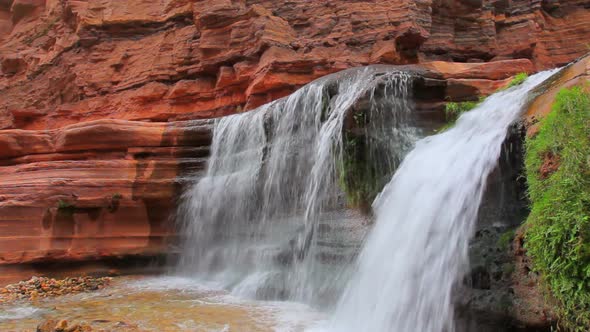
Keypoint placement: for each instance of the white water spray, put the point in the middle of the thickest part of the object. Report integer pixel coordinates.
(414, 256)
(252, 222)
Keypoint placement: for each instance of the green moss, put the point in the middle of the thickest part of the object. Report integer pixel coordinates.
(557, 235)
(358, 178)
(62, 205)
(518, 79)
(505, 239)
(65, 207)
(453, 111)
(508, 269)
(361, 172)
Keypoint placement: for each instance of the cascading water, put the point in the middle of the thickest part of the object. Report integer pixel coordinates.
(254, 222)
(415, 254)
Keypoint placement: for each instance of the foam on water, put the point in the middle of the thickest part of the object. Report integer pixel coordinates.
(284, 316)
(20, 312)
(156, 303)
(252, 222)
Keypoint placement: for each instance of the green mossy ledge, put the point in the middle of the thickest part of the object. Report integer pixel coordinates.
(453, 110)
(557, 232)
(360, 177)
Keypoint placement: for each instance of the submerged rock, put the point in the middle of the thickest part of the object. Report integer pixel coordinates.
(51, 325)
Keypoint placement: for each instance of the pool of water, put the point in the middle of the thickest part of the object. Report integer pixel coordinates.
(162, 304)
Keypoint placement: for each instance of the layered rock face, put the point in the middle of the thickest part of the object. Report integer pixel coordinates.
(95, 189)
(65, 61)
(98, 98)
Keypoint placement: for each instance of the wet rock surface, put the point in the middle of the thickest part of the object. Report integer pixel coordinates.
(52, 325)
(499, 290)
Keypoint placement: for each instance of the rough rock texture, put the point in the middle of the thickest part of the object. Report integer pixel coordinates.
(99, 188)
(577, 74)
(496, 294)
(96, 95)
(64, 60)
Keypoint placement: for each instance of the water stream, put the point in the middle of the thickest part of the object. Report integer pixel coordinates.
(257, 222)
(253, 221)
(269, 219)
(417, 251)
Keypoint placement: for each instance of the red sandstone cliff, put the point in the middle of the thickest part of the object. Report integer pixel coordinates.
(95, 95)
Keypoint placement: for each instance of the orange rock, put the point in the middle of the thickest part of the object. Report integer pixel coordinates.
(72, 60)
(81, 164)
(577, 74)
(95, 96)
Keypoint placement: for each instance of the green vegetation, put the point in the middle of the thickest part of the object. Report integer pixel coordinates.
(518, 79)
(557, 234)
(358, 178)
(454, 110)
(505, 239)
(362, 171)
(65, 207)
(117, 196)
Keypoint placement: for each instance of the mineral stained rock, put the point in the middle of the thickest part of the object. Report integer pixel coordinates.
(104, 103)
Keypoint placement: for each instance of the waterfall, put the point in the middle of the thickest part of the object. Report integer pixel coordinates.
(253, 221)
(415, 254)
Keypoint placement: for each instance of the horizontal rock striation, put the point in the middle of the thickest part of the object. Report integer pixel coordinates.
(96, 189)
(99, 98)
(63, 61)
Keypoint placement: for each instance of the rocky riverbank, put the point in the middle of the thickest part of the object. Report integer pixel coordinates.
(52, 325)
(155, 304)
(42, 287)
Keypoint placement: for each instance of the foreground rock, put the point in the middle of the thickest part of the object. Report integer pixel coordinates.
(52, 325)
(63, 325)
(42, 287)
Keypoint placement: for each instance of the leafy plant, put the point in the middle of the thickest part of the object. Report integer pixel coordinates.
(453, 111)
(518, 79)
(557, 235)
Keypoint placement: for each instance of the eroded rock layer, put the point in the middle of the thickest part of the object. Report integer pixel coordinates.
(98, 98)
(96, 189)
(63, 61)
